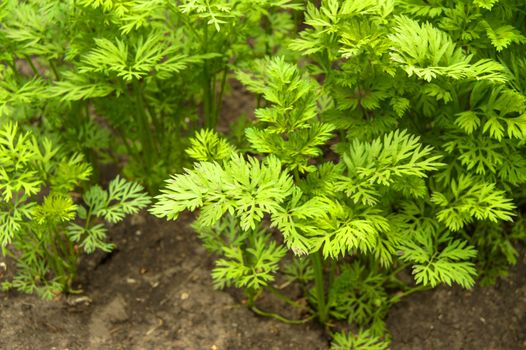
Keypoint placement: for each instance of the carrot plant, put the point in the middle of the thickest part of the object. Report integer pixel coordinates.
(450, 72)
(397, 147)
(134, 77)
(45, 226)
(389, 139)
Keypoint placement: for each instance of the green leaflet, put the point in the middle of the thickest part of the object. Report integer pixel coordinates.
(449, 265)
(249, 188)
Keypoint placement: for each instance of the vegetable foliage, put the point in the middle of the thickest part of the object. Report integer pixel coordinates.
(43, 228)
(398, 144)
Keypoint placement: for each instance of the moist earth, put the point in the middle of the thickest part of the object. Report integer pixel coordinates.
(155, 292)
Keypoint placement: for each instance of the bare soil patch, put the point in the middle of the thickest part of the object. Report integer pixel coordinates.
(155, 292)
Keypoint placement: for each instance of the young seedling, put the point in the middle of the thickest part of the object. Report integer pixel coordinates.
(45, 227)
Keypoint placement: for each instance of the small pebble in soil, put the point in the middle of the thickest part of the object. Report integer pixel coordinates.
(214, 347)
(79, 300)
(130, 280)
(184, 296)
(154, 284)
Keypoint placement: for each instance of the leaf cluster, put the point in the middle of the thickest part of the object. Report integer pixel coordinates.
(43, 227)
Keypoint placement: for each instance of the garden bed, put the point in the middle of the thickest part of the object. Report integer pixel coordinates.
(154, 292)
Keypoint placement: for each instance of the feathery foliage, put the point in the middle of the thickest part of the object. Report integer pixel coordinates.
(384, 200)
(388, 136)
(144, 70)
(403, 137)
(42, 227)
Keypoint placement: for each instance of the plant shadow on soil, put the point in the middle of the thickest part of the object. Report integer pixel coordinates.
(155, 292)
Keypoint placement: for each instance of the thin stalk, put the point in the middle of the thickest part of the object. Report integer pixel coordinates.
(73, 256)
(207, 86)
(296, 175)
(319, 286)
(54, 69)
(66, 259)
(143, 124)
(219, 101)
(88, 219)
(32, 65)
(332, 271)
(251, 297)
(91, 153)
(179, 145)
(207, 92)
(15, 71)
(213, 104)
(157, 123)
(53, 255)
(279, 317)
(410, 291)
(172, 143)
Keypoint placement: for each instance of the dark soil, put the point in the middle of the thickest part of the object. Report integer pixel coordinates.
(155, 293)
(492, 318)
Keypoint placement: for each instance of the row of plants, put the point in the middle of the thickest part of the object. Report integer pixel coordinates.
(388, 141)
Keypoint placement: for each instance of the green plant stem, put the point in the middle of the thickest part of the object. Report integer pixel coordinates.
(157, 122)
(296, 174)
(211, 99)
(251, 297)
(32, 65)
(54, 256)
(279, 317)
(91, 153)
(67, 261)
(319, 286)
(173, 143)
(206, 81)
(73, 256)
(218, 103)
(12, 64)
(143, 125)
(410, 291)
(332, 271)
(54, 69)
